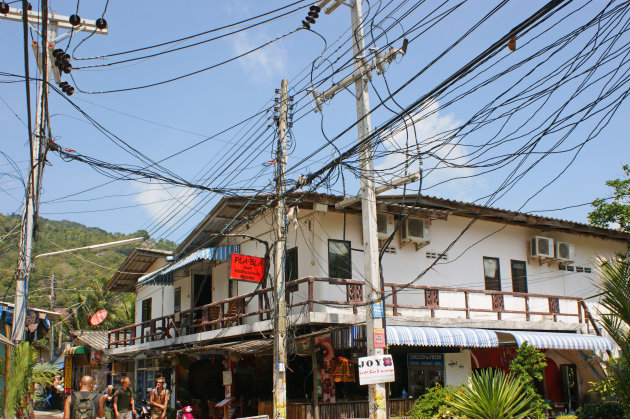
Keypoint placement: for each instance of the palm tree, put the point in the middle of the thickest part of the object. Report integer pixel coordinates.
(25, 373)
(614, 285)
(492, 394)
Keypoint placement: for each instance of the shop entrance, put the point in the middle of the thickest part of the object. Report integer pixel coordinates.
(424, 372)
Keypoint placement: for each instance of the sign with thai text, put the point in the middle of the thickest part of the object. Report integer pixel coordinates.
(379, 338)
(376, 369)
(247, 268)
(377, 309)
(425, 360)
(67, 375)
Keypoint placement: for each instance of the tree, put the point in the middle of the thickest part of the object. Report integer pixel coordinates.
(529, 364)
(25, 374)
(614, 285)
(618, 210)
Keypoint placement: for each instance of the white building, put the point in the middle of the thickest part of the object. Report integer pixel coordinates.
(463, 284)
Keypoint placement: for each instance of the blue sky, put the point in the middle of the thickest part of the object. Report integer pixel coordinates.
(165, 119)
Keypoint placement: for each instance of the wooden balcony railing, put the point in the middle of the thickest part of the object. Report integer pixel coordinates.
(427, 301)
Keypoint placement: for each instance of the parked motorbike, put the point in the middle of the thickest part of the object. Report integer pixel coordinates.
(186, 412)
(145, 410)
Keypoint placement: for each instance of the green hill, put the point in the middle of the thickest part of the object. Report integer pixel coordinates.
(79, 276)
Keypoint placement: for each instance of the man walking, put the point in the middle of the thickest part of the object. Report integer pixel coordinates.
(84, 404)
(159, 400)
(124, 406)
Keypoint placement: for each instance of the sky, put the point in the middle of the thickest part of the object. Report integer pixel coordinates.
(189, 116)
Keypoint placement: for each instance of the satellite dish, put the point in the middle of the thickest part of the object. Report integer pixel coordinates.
(98, 317)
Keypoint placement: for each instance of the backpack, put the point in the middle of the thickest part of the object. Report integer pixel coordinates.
(83, 407)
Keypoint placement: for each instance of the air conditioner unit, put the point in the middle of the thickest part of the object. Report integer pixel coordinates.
(565, 252)
(415, 230)
(541, 247)
(384, 225)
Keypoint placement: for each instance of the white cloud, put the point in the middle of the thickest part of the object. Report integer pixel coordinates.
(430, 125)
(266, 63)
(158, 199)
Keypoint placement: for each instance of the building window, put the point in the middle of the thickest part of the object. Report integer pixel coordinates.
(519, 276)
(291, 269)
(177, 300)
(146, 310)
(492, 273)
(339, 261)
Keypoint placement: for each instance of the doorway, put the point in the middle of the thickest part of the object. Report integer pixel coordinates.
(202, 292)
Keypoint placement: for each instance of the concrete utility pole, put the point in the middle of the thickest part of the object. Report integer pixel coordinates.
(361, 76)
(377, 395)
(53, 23)
(52, 308)
(280, 319)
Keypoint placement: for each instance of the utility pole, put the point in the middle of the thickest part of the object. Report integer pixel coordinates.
(52, 308)
(361, 77)
(377, 395)
(280, 319)
(53, 23)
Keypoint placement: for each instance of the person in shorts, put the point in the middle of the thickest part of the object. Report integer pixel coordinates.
(159, 400)
(124, 405)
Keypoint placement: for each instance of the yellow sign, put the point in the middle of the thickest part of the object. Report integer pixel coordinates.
(67, 375)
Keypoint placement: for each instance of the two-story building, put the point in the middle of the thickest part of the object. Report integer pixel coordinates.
(464, 286)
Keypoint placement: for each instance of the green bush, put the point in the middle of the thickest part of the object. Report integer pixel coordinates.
(607, 410)
(433, 403)
(563, 416)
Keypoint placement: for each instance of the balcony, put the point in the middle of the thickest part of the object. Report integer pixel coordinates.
(345, 297)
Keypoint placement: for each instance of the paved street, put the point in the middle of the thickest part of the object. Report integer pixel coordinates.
(57, 414)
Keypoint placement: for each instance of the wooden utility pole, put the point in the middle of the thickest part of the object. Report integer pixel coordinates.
(45, 63)
(280, 318)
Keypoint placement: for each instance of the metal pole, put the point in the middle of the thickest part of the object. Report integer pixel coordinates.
(377, 395)
(280, 320)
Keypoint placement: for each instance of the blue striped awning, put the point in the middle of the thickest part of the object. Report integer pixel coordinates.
(354, 336)
(441, 336)
(164, 275)
(548, 340)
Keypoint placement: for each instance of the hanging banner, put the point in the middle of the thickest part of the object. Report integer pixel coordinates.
(67, 375)
(376, 369)
(246, 268)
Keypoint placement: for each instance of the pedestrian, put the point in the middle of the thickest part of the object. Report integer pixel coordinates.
(124, 406)
(85, 403)
(109, 402)
(159, 400)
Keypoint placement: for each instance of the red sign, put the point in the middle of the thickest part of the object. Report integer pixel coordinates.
(247, 268)
(379, 338)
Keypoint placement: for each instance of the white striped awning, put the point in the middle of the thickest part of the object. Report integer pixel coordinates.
(441, 336)
(355, 336)
(549, 340)
(164, 275)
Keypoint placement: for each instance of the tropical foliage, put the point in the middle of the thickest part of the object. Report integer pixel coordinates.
(616, 211)
(433, 404)
(605, 409)
(614, 284)
(529, 364)
(25, 374)
(492, 394)
(80, 277)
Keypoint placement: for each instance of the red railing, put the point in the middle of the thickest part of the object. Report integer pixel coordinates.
(233, 311)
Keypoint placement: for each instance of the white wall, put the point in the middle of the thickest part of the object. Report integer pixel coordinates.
(463, 267)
